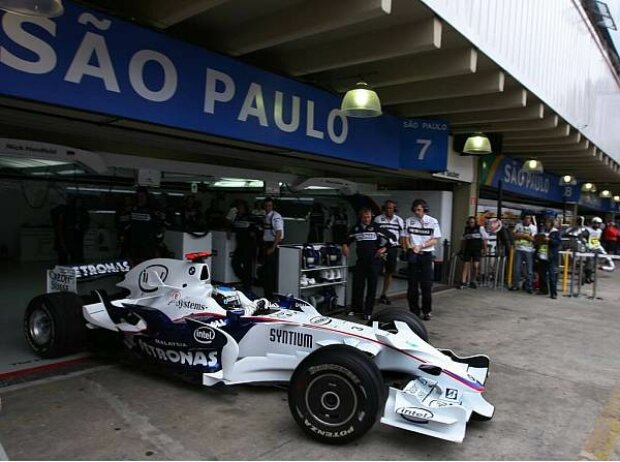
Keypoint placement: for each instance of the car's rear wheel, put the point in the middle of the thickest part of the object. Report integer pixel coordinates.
(336, 394)
(386, 319)
(54, 325)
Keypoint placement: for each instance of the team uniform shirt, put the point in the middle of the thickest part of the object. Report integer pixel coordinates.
(368, 239)
(272, 223)
(551, 246)
(421, 230)
(244, 228)
(473, 238)
(524, 244)
(594, 238)
(393, 227)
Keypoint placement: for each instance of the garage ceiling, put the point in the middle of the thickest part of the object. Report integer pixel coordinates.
(419, 65)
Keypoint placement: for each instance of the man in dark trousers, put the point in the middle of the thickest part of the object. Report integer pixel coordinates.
(419, 238)
(245, 231)
(273, 233)
(371, 243)
(393, 226)
(548, 250)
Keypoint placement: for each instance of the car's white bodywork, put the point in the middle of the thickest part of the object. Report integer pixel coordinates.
(257, 342)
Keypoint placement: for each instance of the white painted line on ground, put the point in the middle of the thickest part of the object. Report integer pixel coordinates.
(3, 455)
(33, 383)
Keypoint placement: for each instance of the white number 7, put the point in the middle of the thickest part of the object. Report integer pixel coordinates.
(425, 145)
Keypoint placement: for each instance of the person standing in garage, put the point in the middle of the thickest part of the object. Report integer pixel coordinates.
(392, 225)
(245, 244)
(419, 238)
(143, 231)
(371, 243)
(273, 233)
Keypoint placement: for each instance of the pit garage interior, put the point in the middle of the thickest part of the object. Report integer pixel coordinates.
(419, 65)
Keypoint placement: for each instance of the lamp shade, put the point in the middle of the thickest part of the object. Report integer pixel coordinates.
(605, 194)
(588, 187)
(361, 101)
(533, 166)
(477, 144)
(44, 8)
(567, 180)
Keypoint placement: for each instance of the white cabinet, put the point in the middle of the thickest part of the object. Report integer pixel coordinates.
(223, 249)
(181, 243)
(324, 286)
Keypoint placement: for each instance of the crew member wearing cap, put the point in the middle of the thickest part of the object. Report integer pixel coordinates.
(419, 238)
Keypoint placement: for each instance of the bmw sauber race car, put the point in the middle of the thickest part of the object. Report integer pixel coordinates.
(342, 375)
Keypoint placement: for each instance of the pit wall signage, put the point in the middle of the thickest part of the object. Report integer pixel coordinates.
(91, 61)
(515, 179)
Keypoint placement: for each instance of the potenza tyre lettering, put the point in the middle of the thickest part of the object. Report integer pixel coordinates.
(334, 367)
(329, 434)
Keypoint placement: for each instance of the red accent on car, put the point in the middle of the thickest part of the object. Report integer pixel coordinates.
(197, 256)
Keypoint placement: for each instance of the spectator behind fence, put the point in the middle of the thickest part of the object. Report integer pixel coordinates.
(473, 243)
(548, 244)
(524, 241)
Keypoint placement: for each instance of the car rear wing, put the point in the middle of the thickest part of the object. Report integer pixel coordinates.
(66, 278)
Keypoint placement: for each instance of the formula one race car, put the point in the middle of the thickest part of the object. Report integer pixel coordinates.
(338, 371)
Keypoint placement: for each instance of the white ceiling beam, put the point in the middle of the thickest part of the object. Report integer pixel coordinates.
(405, 39)
(476, 84)
(407, 69)
(519, 125)
(557, 132)
(521, 143)
(533, 112)
(507, 100)
(589, 154)
(164, 13)
(584, 144)
(299, 21)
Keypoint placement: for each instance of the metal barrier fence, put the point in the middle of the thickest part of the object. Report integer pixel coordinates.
(492, 271)
(496, 271)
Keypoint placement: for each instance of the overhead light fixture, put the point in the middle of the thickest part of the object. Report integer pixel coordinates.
(478, 145)
(533, 166)
(361, 102)
(616, 198)
(605, 194)
(41, 8)
(588, 187)
(568, 180)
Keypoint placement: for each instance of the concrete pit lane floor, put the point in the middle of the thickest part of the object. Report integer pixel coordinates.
(555, 382)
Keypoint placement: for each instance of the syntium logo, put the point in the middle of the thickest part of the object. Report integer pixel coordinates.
(291, 338)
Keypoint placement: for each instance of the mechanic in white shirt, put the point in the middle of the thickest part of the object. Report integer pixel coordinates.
(524, 251)
(419, 238)
(273, 233)
(393, 226)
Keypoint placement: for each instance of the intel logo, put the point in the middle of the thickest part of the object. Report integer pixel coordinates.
(204, 335)
(414, 414)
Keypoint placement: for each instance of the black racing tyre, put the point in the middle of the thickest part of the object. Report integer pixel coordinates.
(54, 325)
(336, 394)
(386, 319)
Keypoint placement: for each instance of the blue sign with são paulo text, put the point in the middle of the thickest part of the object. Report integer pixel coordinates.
(424, 144)
(91, 61)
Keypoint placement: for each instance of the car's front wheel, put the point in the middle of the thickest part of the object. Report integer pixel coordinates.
(54, 325)
(336, 394)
